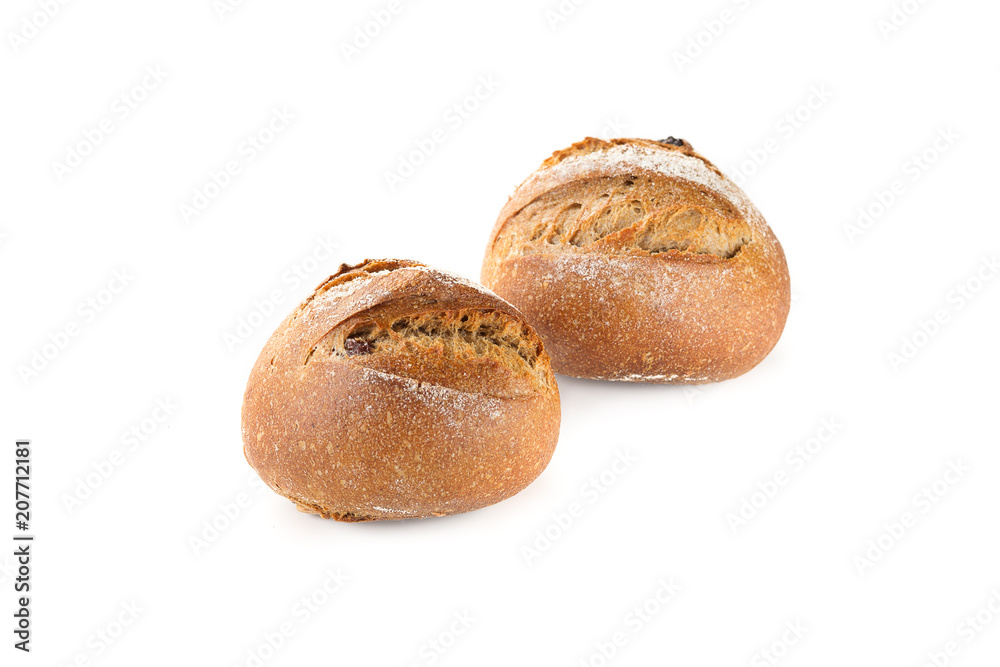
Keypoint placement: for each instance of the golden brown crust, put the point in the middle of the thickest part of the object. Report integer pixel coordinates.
(638, 260)
(438, 422)
(592, 145)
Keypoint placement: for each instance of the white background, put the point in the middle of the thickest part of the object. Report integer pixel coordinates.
(609, 68)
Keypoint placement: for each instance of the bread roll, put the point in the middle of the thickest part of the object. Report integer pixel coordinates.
(638, 260)
(398, 391)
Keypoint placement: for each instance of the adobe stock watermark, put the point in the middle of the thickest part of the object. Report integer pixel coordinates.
(561, 12)
(613, 128)
(110, 633)
(792, 634)
(319, 256)
(967, 631)
(218, 180)
(698, 43)
(785, 129)
(454, 117)
(589, 493)
(223, 8)
(365, 34)
(225, 515)
(122, 106)
(899, 15)
(795, 461)
(86, 312)
(912, 170)
(921, 504)
(633, 623)
(956, 299)
(694, 392)
(32, 24)
(437, 646)
(130, 440)
(303, 610)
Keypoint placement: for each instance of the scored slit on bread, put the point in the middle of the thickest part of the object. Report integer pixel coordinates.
(430, 337)
(628, 214)
(475, 350)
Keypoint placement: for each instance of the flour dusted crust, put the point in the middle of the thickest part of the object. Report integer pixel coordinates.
(399, 391)
(638, 260)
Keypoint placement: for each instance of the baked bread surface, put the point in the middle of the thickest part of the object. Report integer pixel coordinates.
(399, 391)
(638, 260)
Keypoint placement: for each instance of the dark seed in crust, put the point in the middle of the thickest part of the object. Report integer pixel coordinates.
(355, 346)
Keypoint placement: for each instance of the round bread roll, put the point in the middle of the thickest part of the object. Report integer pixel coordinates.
(638, 260)
(398, 391)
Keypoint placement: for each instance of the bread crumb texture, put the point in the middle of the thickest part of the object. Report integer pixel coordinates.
(650, 207)
(433, 337)
(442, 346)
